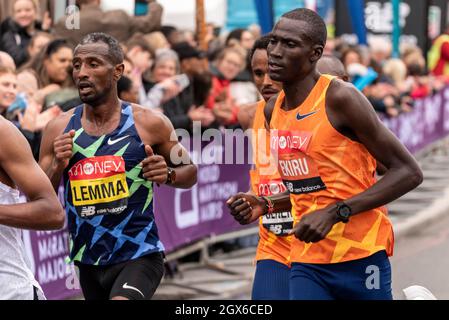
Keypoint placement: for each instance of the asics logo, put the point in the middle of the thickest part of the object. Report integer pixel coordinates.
(125, 286)
(111, 142)
(303, 116)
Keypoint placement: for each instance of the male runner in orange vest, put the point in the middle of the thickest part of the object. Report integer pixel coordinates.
(273, 267)
(327, 138)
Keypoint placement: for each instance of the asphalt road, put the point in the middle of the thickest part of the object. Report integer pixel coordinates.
(422, 258)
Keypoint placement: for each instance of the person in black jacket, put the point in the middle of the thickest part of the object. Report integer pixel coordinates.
(18, 30)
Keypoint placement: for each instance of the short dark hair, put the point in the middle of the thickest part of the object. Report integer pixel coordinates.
(317, 32)
(332, 65)
(116, 54)
(167, 30)
(234, 34)
(259, 44)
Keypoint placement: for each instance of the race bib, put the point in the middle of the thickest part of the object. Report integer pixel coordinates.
(298, 170)
(280, 224)
(98, 186)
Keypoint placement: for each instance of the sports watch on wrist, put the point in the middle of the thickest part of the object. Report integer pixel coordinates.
(343, 212)
(171, 176)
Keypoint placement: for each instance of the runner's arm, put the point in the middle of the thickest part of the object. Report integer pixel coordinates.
(247, 207)
(43, 210)
(353, 113)
(47, 154)
(158, 127)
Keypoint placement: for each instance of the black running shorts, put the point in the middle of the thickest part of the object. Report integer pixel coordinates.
(135, 279)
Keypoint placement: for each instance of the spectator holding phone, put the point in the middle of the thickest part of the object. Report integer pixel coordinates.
(165, 76)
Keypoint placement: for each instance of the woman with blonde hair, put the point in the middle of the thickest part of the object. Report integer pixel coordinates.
(18, 30)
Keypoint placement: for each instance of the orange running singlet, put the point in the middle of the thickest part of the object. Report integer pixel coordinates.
(320, 166)
(274, 243)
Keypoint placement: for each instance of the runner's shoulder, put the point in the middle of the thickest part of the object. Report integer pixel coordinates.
(269, 106)
(151, 119)
(58, 124)
(5, 127)
(340, 91)
(246, 114)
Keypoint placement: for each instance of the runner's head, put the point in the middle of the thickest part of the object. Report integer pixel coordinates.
(258, 58)
(97, 66)
(297, 43)
(333, 66)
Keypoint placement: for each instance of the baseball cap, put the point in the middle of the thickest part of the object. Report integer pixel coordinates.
(185, 51)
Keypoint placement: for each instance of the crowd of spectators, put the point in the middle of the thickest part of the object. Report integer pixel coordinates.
(165, 69)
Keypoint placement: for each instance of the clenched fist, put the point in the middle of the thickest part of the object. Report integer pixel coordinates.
(62, 148)
(154, 167)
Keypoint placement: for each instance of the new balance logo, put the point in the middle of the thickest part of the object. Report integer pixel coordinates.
(88, 211)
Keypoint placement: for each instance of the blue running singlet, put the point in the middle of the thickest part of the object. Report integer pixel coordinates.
(109, 204)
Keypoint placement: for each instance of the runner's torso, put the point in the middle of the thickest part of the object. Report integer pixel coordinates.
(108, 203)
(320, 166)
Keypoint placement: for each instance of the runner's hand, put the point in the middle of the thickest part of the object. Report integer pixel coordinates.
(315, 226)
(154, 167)
(246, 208)
(62, 147)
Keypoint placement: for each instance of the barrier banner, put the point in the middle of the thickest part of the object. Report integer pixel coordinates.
(184, 216)
(47, 252)
(427, 123)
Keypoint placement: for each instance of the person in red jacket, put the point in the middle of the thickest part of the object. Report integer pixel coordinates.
(230, 62)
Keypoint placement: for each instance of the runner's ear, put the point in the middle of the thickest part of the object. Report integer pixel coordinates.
(118, 71)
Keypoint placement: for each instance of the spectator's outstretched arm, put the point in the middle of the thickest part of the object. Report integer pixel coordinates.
(150, 22)
(43, 210)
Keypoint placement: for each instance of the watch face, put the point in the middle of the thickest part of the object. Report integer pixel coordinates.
(345, 212)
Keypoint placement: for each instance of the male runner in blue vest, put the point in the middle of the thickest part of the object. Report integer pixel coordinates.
(109, 153)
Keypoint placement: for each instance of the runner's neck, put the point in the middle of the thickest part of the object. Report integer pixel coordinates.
(297, 92)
